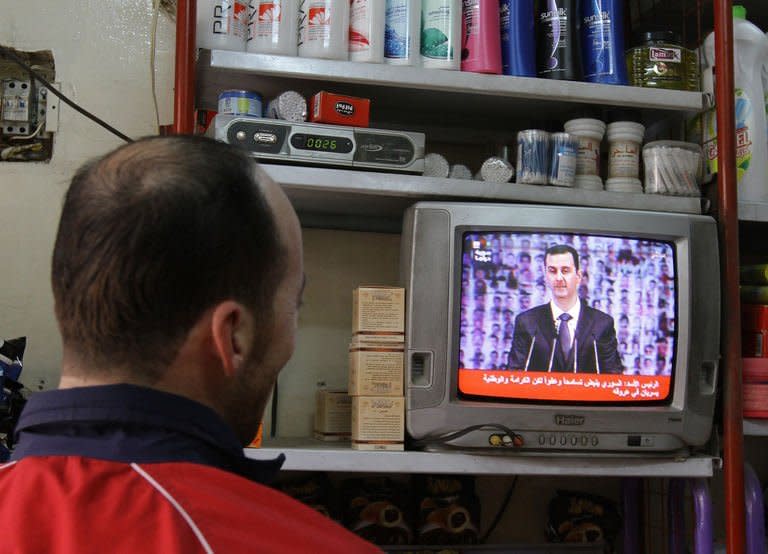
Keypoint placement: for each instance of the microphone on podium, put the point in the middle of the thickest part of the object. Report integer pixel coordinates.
(530, 353)
(597, 360)
(554, 345)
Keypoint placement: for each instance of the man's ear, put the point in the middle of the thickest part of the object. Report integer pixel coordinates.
(232, 329)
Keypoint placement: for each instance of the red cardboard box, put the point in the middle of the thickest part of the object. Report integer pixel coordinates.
(338, 109)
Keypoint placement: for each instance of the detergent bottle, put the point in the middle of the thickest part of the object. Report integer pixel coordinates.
(750, 50)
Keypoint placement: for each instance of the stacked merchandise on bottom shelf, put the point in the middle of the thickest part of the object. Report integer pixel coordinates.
(754, 342)
(376, 359)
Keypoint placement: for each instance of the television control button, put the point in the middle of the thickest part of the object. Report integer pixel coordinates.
(542, 439)
(552, 440)
(584, 440)
(574, 440)
(563, 440)
(595, 441)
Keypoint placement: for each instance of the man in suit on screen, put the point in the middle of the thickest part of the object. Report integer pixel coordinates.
(565, 334)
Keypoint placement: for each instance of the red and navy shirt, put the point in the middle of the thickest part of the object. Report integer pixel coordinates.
(122, 468)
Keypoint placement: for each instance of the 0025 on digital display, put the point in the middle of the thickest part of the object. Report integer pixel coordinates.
(321, 143)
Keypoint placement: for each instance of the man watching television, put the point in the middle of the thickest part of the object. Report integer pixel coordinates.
(177, 276)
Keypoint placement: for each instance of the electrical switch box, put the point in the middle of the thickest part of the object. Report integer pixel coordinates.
(28, 112)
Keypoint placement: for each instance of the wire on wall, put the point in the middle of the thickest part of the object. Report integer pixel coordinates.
(10, 54)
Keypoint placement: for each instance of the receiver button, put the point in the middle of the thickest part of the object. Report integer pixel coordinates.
(574, 440)
(552, 440)
(595, 441)
(584, 440)
(542, 439)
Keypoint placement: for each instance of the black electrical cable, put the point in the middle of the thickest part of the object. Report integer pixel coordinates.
(9, 54)
(500, 512)
(447, 437)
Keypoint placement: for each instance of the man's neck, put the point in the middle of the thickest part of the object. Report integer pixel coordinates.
(566, 305)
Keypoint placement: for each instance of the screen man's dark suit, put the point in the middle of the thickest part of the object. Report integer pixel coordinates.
(595, 334)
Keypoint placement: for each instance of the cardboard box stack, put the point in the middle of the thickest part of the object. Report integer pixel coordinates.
(333, 412)
(376, 362)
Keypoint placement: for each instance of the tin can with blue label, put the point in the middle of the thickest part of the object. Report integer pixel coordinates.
(240, 102)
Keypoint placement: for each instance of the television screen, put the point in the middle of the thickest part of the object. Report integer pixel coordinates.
(567, 317)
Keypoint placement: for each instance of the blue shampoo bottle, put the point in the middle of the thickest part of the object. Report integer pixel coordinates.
(518, 41)
(602, 41)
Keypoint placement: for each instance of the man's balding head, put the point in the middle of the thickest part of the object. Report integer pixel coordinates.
(154, 234)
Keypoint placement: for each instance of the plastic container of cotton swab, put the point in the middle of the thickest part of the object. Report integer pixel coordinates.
(532, 157)
(672, 167)
(562, 166)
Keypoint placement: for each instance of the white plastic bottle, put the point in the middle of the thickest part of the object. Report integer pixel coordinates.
(402, 32)
(765, 90)
(441, 34)
(750, 50)
(366, 31)
(222, 24)
(272, 27)
(324, 29)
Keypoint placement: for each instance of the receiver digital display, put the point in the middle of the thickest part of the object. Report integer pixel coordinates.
(321, 143)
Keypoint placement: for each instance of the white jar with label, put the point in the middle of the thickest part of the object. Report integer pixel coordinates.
(222, 24)
(366, 31)
(589, 133)
(324, 29)
(272, 27)
(624, 146)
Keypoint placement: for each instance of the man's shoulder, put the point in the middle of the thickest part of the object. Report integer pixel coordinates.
(542, 310)
(597, 315)
(189, 504)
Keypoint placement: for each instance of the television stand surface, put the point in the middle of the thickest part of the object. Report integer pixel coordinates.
(307, 454)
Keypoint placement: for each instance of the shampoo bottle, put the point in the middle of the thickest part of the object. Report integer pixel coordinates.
(602, 40)
(366, 31)
(222, 24)
(481, 37)
(518, 41)
(558, 55)
(324, 29)
(272, 27)
(440, 34)
(402, 32)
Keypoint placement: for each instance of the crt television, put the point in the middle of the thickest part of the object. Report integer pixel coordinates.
(487, 363)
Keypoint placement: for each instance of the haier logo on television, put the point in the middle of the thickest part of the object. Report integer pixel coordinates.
(569, 419)
(345, 108)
